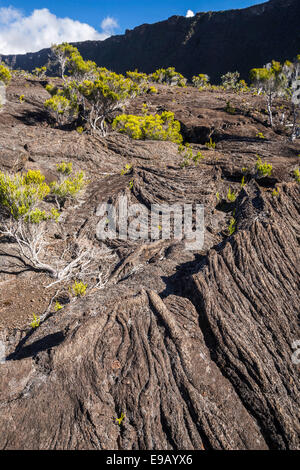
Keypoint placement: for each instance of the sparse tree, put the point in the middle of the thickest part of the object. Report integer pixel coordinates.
(25, 223)
(105, 95)
(272, 81)
(292, 73)
(62, 54)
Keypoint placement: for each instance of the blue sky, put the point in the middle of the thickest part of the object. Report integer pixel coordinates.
(21, 31)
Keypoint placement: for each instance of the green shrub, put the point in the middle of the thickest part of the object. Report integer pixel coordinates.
(229, 108)
(210, 144)
(230, 80)
(62, 107)
(62, 54)
(151, 127)
(140, 78)
(275, 192)
(64, 168)
(103, 96)
(168, 76)
(5, 74)
(21, 193)
(260, 135)
(297, 175)
(263, 169)
(40, 72)
(57, 306)
(201, 80)
(232, 226)
(231, 196)
(126, 170)
(188, 155)
(79, 289)
(152, 90)
(68, 188)
(272, 81)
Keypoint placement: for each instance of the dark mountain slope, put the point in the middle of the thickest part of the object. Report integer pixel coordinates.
(212, 42)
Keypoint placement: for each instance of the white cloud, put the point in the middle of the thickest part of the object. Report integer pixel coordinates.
(20, 34)
(109, 24)
(189, 14)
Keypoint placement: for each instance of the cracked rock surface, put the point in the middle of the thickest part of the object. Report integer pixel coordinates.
(193, 347)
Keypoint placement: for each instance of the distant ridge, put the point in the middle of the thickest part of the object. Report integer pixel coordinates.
(211, 42)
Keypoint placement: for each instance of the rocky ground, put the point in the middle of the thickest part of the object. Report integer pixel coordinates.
(194, 347)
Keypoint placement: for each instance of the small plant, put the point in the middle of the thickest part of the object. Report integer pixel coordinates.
(126, 170)
(260, 135)
(67, 188)
(57, 306)
(64, 168)
(218, 196)
(297, 175)
(152, 90)
(79, 129)
(131, 184)
(198, 157)
(232, 226)
(187, 153)
(22, 98)
(275, 192)
(243, 184)
(79, 289)
(231, 196)
(229, 108)
(119, 420)
(210, 144)
(36, 322)
(263, 169)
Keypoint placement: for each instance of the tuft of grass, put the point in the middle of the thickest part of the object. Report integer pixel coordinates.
(297, 175)
(210, 144)
(231, 196)
(79, 288)
(232, 226)
(263, 169)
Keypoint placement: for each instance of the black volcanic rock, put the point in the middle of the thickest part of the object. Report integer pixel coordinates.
(211, 42)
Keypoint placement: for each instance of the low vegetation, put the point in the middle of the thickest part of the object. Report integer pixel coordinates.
(152, 127)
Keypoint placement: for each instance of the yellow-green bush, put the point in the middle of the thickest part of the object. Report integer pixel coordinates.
(297, 175)
(62, 107)
(263, 169)
(137, 77)
(150, 127)
(68, 187)
(65, 168)
(168, 76)
(188, 155)
(40, 72)
(201, 80)
(20, 193)
(5, 75)
(79, 288)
